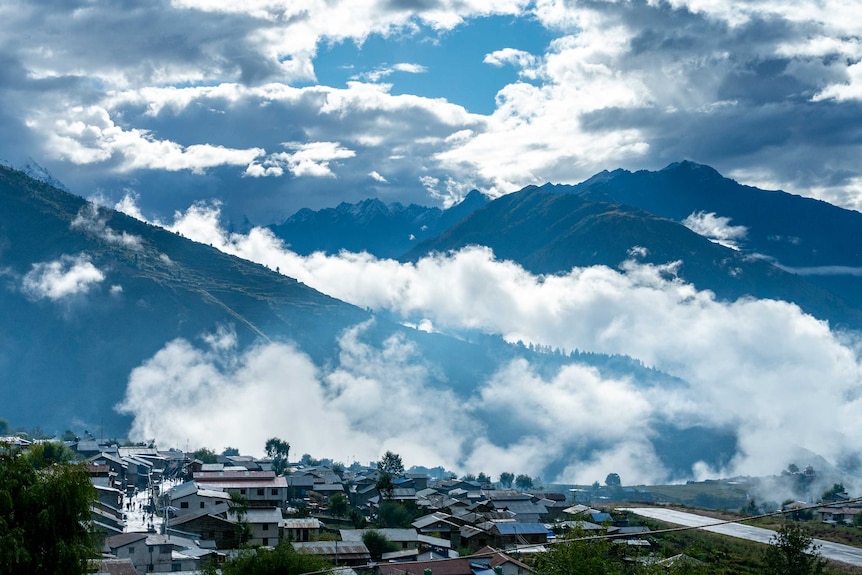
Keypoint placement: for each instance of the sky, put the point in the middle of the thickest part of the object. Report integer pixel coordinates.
(200, 113)
(269, 106)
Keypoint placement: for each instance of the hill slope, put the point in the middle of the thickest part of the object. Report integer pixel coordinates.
(551, 233)
(821, 240)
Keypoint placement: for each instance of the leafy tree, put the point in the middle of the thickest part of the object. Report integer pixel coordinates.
(836, 491)
(392, 514)
(857, 520)
(524, 482)
(357, 519)
(42, 455)
(230, 452)
(579, 556)
(792, 552)
(391, 463)
(377, 544)
(613, 480)
(206, 455)
(278, 450)
(384, 485)
(792, 468)
(43, 516)
(68, 435)
(506, 479)
(482, 478)
(750, 508)
(283, 560)
(338, 505)
(308, 460)
(469, 477)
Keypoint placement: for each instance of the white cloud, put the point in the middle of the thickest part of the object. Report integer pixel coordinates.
(61, 278)
(89, 135)
(749, 363)
(92, 221)
(716, 228)
(374, 175)
(308, 159)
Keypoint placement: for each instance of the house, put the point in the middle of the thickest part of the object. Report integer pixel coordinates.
(838, 514)
(514, 534)
(260, 488)
(339, 553)
(208, 526)
(489, 563)
(152, 553)
(190, 497)
(112, 567)
(524, 506)
(265, 525)
(300, 528)
(402, 538)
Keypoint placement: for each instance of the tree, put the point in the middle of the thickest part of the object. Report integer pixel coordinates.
(524, 482)
(283, 560)
(506, 479)
(230, 452)
(482, 478)
(338, 505)
(278, 450)
(239, 507)
(391, 463)
(613, 480)
(468, 477)
(43, 516)
(791, 551)
(579, 556)
(836, 492)
(42, 455)
(377, 544)
(4, 427)
(392, 514)
(384, 485)
(205, 455)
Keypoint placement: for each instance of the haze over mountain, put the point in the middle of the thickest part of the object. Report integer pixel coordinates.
(215, 350)
(112, 300)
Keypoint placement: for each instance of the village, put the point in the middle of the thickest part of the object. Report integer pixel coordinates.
(163, 511)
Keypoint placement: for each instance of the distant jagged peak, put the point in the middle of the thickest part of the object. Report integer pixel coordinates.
(36, 171)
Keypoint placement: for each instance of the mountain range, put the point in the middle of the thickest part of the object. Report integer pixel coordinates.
(89, 294)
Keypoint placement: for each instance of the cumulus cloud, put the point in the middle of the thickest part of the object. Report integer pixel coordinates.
(62, 278)
(751, 87)
(309, 159)
(716, 228)
(749, 364)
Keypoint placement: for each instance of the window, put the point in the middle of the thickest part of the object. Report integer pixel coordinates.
(265, 541)
(184, 504)
(131, 550)
(202, 504)
(260, 492)
(274, 491)
(266, 526)
(242, 491)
